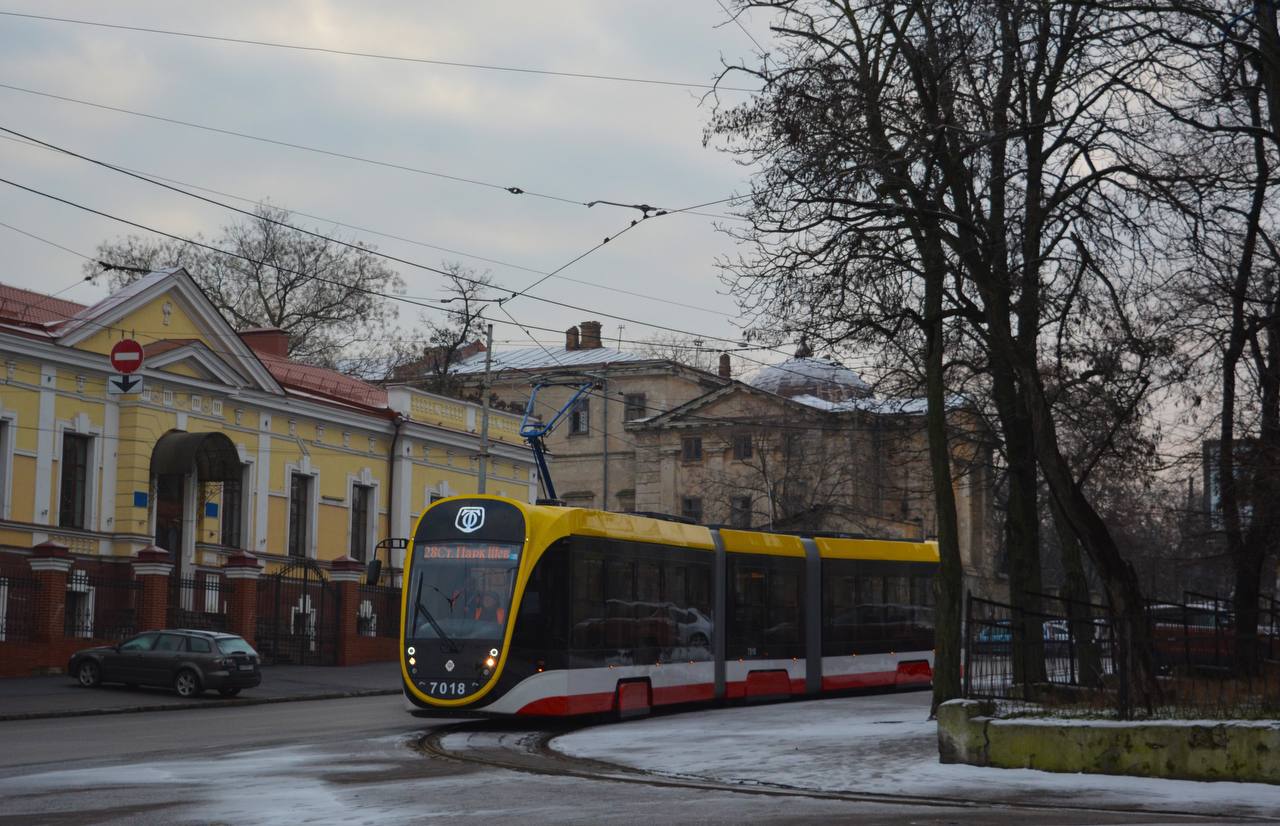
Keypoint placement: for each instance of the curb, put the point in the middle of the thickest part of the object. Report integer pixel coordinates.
(201, 704)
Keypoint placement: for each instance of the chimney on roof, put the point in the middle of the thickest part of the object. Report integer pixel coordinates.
(725, 369)
(591, 335)
(571, 339)
(269, 341)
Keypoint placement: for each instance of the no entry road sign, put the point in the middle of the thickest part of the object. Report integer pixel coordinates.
(126, 356)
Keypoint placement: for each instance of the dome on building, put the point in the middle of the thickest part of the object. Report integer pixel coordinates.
(805, 375)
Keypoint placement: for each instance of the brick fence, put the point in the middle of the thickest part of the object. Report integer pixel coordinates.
(47, 611)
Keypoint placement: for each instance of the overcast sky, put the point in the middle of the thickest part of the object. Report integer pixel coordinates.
(575, 138)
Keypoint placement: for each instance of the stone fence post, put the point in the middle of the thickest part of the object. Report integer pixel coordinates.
(241, 571)
(50, 563)
(153, 567)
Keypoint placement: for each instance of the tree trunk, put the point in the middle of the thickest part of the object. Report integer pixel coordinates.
(950, 582)
(1022, 530)
(1084, 636)
(1133, 637)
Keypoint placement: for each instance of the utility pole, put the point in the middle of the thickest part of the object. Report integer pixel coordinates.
(484, 410)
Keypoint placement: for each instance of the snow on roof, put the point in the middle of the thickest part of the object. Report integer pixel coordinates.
(818, 377)
(122, 295)
(906, 407)
(538, 358)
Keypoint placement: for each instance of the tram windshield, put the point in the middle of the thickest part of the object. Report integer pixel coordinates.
(462, 590)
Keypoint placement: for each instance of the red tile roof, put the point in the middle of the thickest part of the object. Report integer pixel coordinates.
(19, 306)
(324, 382)
(32, 309)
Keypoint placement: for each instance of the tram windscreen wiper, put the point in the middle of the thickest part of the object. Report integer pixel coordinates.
(417, 598)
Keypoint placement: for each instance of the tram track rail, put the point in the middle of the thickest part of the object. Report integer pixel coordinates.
(530, 751)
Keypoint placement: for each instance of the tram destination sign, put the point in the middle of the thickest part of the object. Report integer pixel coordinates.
(469, 550)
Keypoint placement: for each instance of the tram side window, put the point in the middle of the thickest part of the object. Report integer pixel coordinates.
(784, 610)
(542, 624)
(839, 607)
(588, 606)
(619, 601)
(747, 617)
(764, 607)
(923, 598)
(639, 603)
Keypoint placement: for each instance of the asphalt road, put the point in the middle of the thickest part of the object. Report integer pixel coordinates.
(351, 762)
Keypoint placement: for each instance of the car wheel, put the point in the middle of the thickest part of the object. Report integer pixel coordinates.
(89, 674)
(187, 683)
(228, 692)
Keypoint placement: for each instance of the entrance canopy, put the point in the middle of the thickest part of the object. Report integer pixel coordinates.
(212, 455)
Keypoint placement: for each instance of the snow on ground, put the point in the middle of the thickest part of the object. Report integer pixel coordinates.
(881, 744)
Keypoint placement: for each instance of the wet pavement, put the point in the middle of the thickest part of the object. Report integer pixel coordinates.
(55, 696)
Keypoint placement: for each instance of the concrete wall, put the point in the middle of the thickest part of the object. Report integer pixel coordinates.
(1191, 750)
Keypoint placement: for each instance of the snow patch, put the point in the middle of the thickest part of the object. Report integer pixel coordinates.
(880, 744)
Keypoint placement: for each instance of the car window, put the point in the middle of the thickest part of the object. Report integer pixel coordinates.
(235, 645)
(140, 643)
(199, 645)
(170, 642)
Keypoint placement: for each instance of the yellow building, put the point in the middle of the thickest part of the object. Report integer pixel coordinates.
(226, 445)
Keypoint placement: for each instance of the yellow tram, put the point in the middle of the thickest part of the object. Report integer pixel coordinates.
(516, 609)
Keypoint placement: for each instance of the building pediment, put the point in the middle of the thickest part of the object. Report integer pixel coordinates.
(733, 403)
(193, 358)
(165, 306)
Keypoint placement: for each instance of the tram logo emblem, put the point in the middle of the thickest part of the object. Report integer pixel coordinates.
(469, 520)
(448, 666)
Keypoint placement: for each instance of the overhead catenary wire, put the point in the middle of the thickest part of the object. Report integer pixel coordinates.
(378, 55)
(348, 244)
(558, 275)
(511, 190)
(340, 242)
(156, 335)
(524, 327)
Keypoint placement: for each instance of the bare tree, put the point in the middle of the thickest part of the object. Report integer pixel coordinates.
(330, 298)
(789, 472)
(979, 168)
(452, 334)
(687, 350)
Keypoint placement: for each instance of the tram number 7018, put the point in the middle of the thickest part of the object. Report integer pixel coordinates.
(446, 689)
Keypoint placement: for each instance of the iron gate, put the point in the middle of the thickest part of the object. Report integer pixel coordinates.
(298, 616)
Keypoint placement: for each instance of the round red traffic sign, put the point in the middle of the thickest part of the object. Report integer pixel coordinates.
(126, 356)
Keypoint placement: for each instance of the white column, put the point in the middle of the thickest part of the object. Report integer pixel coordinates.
(44, 445)
(110, 454)
(401, 504)
(262, 492)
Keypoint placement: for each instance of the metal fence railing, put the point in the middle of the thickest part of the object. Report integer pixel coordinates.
(199, 600)
(17, 608)
(378, 612)
(101, 608)
(1068, 657)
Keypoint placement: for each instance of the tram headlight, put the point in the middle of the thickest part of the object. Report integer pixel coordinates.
(413, 661)
(410, 651)
(490, 662)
